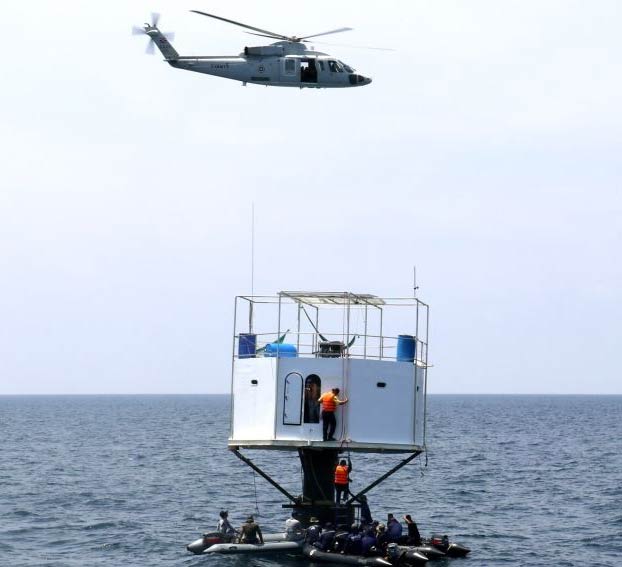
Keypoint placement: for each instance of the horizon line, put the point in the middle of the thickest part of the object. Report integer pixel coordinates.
(229, 394)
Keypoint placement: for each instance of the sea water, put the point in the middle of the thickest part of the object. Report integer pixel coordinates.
(130, 480)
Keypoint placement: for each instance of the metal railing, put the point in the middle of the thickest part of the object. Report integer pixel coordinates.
(309, 345)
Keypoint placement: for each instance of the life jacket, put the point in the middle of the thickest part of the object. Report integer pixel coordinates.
(328, 402)
(341, 474)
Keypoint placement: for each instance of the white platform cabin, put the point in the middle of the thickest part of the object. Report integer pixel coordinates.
(290, 348)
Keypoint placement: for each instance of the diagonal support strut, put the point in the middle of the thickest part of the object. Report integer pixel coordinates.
(264, 475)
(383, 477)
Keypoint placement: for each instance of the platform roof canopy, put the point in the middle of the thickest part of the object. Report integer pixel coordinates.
(333, 298)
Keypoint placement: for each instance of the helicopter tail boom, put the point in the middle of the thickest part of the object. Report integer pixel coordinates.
(162, 43)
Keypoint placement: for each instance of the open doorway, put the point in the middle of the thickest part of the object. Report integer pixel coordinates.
(313, 390)
(308, 71)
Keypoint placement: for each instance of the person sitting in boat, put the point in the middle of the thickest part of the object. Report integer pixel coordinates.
(251, 532)
(394, 529)
(312, 535)
(382, 538)
(327, 538)
(368, 541)
(354, 544)
(293, 528)
(341, 539)
(225, 528)
(414, 537)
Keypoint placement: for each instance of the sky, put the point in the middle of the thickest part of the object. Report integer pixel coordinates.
(486, 152)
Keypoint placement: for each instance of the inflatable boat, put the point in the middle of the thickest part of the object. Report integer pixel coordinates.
(443, 544)
(214, 542)
(403, 555)
(315, 554)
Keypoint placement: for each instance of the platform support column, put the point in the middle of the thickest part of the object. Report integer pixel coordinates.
(318, 488)
(318, 473)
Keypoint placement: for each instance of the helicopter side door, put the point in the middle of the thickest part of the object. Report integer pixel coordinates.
(308, 71)
(290, 71)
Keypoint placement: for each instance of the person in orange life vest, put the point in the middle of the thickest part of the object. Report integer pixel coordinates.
(342, 478)
(330, 401)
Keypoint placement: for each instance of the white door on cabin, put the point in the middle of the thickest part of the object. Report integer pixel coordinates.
(292, 403)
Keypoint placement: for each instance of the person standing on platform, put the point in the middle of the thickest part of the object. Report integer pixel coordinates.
(330, 401)
(342, 480)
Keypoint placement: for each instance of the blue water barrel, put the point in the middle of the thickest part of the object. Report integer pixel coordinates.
(247, 345)
(406, 346)
(281, 350)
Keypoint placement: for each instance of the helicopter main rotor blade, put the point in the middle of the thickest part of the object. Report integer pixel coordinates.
(136, 30)
(262, 35)
(269, 33)
(155, 18)
(339, 30)
(355, 46)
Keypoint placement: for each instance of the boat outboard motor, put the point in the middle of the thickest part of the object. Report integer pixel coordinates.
(440, 542)
(200, 545)
(450, 549)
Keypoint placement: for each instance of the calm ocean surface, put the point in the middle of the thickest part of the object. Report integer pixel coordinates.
(129, 480)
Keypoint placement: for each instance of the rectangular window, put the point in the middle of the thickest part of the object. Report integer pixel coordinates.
(290, 66)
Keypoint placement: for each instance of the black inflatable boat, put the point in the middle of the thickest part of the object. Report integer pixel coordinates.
(319, 556)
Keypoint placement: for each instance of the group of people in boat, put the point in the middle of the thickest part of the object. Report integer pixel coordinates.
(367, 538)
(364, 539)
(249, 532)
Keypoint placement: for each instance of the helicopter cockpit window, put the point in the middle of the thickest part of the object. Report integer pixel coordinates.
(321, 64)
(346, 67)
(335, 67)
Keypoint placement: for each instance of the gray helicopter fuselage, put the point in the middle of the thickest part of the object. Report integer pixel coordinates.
(281, 64)
(301, 70)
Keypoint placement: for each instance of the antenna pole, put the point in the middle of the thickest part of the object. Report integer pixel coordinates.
(415, 286)
(250, 311)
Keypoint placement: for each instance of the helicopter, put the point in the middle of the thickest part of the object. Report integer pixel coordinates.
(285, 63)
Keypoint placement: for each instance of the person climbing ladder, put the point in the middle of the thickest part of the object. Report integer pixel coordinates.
(330, 401)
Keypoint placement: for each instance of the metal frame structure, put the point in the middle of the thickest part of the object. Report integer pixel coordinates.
(319, 458)
(347, 301)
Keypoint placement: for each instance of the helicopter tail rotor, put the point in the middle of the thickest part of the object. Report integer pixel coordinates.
(157, 38)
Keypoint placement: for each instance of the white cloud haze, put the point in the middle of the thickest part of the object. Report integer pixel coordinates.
(486, 152)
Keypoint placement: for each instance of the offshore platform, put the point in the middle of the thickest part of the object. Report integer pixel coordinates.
(290, 348)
